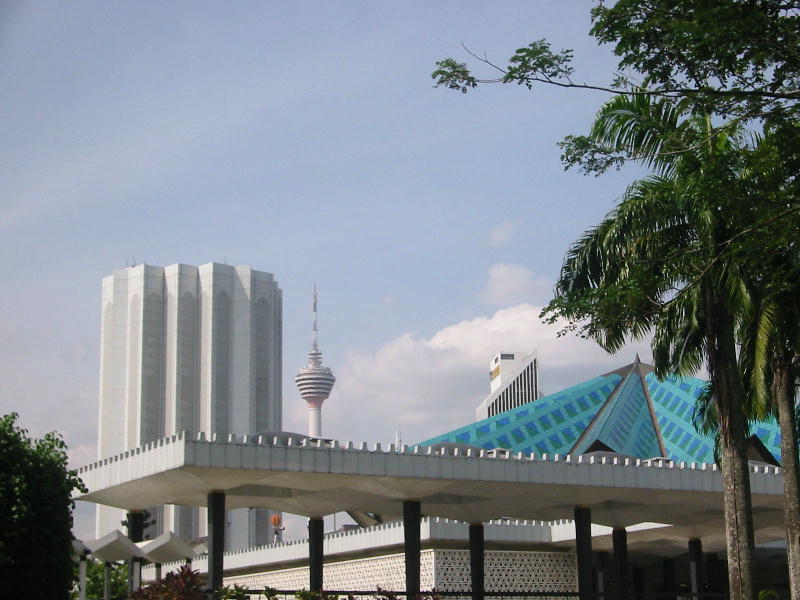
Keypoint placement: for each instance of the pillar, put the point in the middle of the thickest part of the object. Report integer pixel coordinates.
(82, 577)
(619, 539)
(713, 573)
(602, 574)
(476, 560)
(316, 536)
(158, 571)
(583, 550)
(696, 582)
(638, 583)
(668, 586)
(216, 538)
(107, 581)
(412, 515)
(135, 534)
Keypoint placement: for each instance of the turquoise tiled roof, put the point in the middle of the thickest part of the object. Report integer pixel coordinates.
(551, 424)
(629, 411)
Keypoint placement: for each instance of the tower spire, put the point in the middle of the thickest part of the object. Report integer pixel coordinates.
(314, 381)
(314, 340)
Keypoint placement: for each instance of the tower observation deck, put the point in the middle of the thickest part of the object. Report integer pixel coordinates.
(314, 381)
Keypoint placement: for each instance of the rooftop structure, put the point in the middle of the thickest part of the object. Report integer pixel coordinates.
(314, 381)
(628, 411)
(513, 381)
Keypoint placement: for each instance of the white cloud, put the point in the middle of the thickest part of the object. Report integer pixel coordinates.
(502, 233)
(430, 385)
(509, 284)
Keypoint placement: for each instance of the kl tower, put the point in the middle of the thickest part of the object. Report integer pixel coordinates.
(314, 381)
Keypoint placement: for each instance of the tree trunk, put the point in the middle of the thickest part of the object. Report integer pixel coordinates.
(729, 399)
(737, 508)
(784, 397)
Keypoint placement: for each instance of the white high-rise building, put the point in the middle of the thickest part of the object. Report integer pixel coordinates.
(514, 381)
(189, 348)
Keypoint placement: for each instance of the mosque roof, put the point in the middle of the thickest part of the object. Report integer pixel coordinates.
(627, 411)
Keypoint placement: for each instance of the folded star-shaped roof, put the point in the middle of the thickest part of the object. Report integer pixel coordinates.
(629, 411)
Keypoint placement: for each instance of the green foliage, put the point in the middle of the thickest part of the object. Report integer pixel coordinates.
(35, 513)
(183, 585)
(236, 592)
(308, 595)
(538, 62)
(381, 594)
(454, 75)
(699, 252)
(270, 593)
(95, 573)
(673, 259)
(667, 259)
(737, 58)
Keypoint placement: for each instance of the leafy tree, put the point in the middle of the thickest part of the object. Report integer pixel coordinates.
(769, 333)
(35, 514)
(738, 58)
(710, 212)
(656, 265)
(95, 581)
(734, 58)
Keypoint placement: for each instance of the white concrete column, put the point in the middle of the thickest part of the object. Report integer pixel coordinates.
(315, 421)
(82, 578)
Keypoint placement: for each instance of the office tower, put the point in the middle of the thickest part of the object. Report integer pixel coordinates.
(514, 380)
(314, 381)
(189, 348)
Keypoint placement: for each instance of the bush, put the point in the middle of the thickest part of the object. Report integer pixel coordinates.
(183, 585)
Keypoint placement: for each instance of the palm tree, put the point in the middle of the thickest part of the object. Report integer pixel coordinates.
(660, 263)
(770, 359)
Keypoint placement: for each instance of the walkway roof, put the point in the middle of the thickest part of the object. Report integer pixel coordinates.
(314, 478)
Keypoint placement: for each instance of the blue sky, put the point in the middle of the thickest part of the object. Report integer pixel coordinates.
(305, 139)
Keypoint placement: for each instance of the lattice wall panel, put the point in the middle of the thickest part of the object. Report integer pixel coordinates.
(387, 572)
(509, 571)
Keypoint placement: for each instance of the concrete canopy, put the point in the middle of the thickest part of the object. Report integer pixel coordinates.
(114, 547)
(167, 547)
(314, 478)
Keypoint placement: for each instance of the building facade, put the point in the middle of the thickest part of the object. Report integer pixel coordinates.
(189, 348)
(513, 381)
(522, 558)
